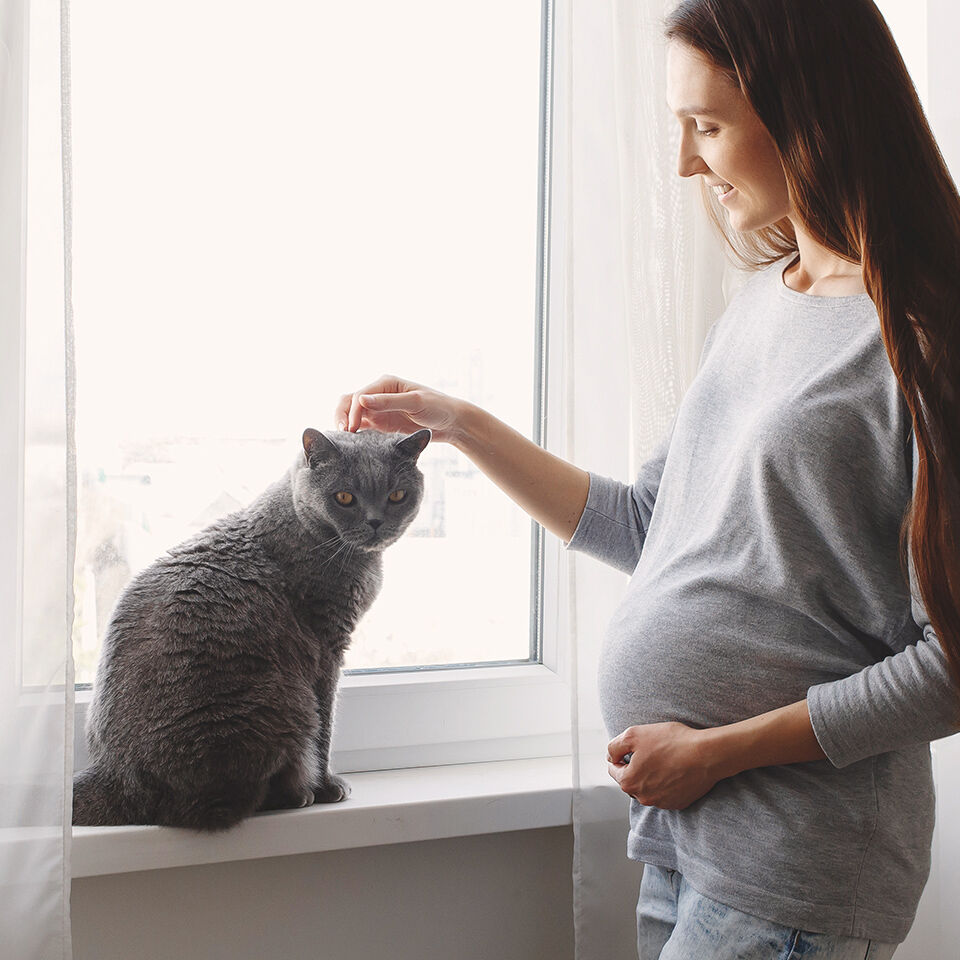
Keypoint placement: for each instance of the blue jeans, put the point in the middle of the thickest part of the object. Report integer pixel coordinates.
(675, 922)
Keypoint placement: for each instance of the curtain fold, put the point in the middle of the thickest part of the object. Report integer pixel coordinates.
(640, 278)
(37, 512)
(672, 260)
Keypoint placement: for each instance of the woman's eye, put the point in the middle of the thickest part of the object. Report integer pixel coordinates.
(707, 132)
(344, 498)
(397, 496)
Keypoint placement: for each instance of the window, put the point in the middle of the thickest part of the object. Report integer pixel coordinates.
(270, 212)
(272, 206)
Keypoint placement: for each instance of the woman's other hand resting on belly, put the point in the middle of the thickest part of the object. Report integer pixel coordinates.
(670, 765)
(664, 765)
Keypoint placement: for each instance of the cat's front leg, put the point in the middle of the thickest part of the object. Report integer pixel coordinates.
(332, 790)
(329, 788)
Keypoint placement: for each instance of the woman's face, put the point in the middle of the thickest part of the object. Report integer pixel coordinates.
(723, 140)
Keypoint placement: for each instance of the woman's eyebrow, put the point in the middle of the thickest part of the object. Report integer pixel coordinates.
(696, 109)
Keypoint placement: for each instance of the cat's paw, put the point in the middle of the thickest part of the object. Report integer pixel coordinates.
(332, 790)
(288, 798)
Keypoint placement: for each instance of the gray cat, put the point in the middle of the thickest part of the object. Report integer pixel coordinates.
(216, 682)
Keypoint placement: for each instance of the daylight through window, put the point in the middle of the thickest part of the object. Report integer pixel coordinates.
(273, 206)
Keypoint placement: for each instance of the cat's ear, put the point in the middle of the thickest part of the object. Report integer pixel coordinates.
(413, 445)
(317, 447)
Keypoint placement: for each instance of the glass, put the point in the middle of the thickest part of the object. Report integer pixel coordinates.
(270, 212)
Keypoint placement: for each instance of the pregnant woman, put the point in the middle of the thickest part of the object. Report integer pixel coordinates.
(789, 642)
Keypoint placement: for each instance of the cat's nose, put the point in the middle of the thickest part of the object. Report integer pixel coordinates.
(374, 523)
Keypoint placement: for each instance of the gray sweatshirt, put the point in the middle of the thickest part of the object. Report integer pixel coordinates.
(762, 539)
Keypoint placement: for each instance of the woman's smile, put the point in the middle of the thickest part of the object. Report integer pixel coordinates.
(720, 130)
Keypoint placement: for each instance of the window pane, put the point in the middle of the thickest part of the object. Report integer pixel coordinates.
(274, 205)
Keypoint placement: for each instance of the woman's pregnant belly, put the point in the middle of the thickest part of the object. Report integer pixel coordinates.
(695, 648)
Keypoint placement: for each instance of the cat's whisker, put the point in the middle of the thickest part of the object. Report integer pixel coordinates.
(350, 551)
(325, 543)
(325, 548)
(335, 554)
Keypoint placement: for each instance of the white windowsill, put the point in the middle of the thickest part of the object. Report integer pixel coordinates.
(389, 806)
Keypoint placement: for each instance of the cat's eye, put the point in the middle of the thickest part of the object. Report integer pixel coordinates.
(397, 496)
(344, 498)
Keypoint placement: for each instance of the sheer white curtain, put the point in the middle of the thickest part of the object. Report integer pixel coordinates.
(638, 278)
(36, 491)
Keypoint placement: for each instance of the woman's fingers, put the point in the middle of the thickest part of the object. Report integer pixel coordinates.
(402, 406)
(342, 411)
(410, 402)
(400, 412)
(355, 413)
(348, 411)
(619, 749)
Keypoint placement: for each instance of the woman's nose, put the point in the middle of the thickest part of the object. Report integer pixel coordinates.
(690, 163)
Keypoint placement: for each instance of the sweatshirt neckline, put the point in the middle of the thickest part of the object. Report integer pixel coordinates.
(811, 299)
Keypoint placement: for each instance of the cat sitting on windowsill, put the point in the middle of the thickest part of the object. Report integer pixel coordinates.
(216, 682)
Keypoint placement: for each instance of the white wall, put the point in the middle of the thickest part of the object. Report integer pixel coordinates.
(503, 896)
(943, 78)
(936, 933)
(943, 110)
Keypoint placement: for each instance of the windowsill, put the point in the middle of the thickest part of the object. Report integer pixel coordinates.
(389, 806)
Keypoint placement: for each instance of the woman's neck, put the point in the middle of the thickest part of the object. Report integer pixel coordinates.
(820, 272)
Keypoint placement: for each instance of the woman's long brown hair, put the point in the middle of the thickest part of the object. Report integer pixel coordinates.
(868, 181)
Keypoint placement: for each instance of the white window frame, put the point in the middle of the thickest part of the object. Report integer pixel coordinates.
(423, 718)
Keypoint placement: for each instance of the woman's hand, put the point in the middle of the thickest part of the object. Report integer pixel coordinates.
(668, 768)
(551, 490)
(393, 405)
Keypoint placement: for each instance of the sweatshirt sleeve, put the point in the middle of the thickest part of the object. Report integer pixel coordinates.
(616, 517)
(904, 699)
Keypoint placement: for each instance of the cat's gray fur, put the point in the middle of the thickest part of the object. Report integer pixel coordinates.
(216, 682)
